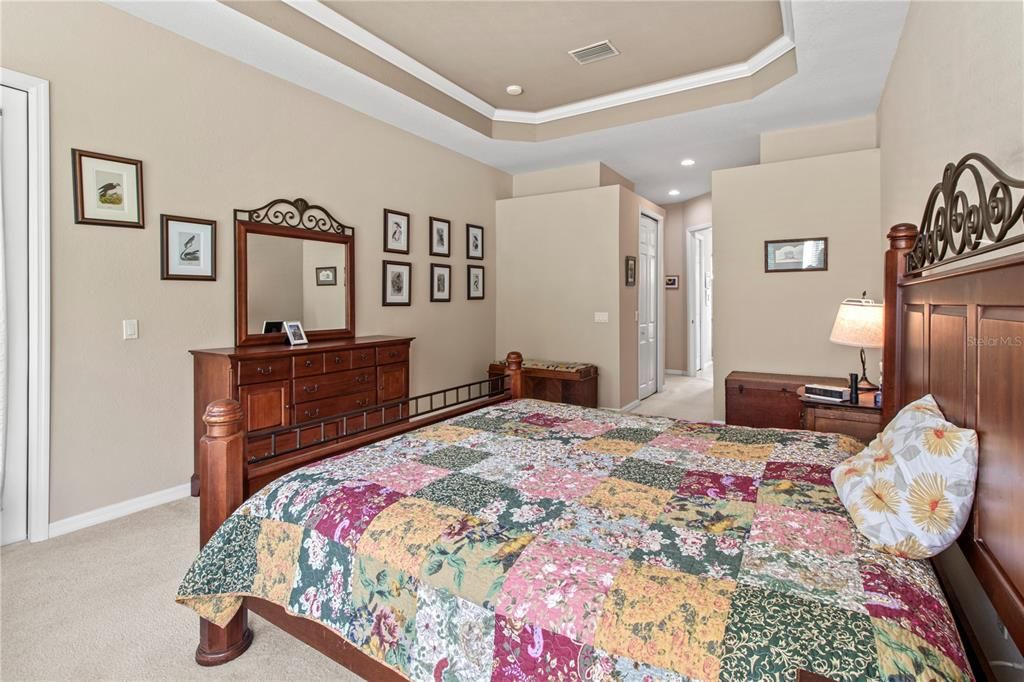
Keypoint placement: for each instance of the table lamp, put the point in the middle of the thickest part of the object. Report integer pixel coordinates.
(859, 323)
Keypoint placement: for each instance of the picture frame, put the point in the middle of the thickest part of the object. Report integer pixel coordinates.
(273, 326)
(107, 189)
(396, 283)
(396, 231)
(475, 282)
(295, 333)
(630, 271)
(474, 242)
(440, 237)
(671, 281)
(440, 283)
(188, 248)
(808, 254)
(327, 276)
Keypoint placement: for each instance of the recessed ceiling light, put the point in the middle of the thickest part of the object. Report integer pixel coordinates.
(687, 162)
(514, 90)
(673, 192)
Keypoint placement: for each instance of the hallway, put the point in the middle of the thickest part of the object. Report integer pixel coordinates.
(690, 398)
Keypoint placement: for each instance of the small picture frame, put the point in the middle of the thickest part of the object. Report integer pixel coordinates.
(630, 271)
(396, 231)
(188, 248)
(671, 281)
(474, 242)
(273, 326)
(295, 333)
(796, 255)
(327, 276)
(475, 282)
(440, 283)
(397, 283)
(107, 189)
(440, 237)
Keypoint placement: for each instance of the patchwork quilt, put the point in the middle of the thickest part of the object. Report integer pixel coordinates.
(539, 541)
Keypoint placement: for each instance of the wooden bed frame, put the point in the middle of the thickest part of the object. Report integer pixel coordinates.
(957, 334)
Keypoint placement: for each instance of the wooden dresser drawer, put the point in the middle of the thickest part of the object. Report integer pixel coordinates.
(332, 385)
(387, 355)
(308, 365)
(336, 361)
(364, 357)
(329, 407)
(256, 371)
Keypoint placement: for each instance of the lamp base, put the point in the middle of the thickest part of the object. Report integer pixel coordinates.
(865, 386)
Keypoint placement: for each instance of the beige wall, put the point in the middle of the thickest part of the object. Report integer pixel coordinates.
(566, 179)
(781, 322)
(678, 219)
(323, 307)
(557, 265)
(831, 138)
(213, 135)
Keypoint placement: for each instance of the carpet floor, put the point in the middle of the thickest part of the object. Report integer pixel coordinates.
(98, 604)
(691, 398)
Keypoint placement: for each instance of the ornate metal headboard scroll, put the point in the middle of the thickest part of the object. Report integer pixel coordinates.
(299, 213)
(954, 227)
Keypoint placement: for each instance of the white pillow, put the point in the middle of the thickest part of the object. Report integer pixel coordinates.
(910, 491)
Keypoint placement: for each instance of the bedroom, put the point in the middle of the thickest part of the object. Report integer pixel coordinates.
(845, 141)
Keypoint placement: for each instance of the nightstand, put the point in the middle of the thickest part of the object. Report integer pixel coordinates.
(863, 421)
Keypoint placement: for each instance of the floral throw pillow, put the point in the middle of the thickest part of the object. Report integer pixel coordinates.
(910, 491)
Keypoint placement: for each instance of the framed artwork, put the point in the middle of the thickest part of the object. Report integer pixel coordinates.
(630, 271)
(671, 281)
(108, 189)
(440, 283)
(796, 255)
(188, 248)
(440, 237)
(327, 277)
(396, 231)
(273, 326)
(296, 334)
(475, 282)
(474, 242)
(397, 283)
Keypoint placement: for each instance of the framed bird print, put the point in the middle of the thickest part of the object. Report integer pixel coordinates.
(440, 237)
(108, 189)
(396, 231)
(188, 248)
(474, 242)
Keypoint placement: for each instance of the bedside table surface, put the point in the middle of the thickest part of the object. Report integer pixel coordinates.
(865, 401)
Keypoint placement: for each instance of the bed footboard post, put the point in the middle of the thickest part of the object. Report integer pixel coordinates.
(514, 370)
(901, 240)
(222, 471)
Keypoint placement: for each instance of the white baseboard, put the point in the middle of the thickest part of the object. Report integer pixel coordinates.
(628, 407)
(675, 372)
(116, 511)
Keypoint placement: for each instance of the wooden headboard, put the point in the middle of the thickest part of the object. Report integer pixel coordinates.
(958, 333)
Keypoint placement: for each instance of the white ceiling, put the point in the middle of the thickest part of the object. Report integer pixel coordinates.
(844, 50)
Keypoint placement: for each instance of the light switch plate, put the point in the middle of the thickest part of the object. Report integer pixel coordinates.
(130, 329)
(600, 317)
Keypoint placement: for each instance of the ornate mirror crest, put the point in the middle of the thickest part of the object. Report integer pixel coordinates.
(299, 213)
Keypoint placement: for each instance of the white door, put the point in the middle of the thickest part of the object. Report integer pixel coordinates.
(707, 279)
(14, 303)
(647, 275)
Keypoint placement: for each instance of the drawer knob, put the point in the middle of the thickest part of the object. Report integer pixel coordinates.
(311, 389)
(393, 354)
(309, 363)
(362, 379)
(337, 359)
(264, 370)
(362, 401)
(314, 413)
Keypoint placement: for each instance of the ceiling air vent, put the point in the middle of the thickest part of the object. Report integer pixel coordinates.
(594, 53)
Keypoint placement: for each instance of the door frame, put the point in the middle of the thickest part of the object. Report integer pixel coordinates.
(692, 304)
(38, 298)
(659, 291)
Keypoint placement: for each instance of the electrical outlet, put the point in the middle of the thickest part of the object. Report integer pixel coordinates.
(600, 317)
(130, 328)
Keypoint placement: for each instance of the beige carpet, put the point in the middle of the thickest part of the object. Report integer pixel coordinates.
(691, 398)
(99, 604)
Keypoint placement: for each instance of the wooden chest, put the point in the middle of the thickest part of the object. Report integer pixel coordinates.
(574, 383)
(767, 400)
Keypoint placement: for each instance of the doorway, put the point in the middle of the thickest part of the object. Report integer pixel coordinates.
(700, 301)
(649, 307)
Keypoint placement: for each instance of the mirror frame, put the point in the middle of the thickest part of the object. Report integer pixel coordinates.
(296, 219)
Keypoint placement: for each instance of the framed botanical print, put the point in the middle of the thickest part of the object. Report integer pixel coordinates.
(440, 237)
(475, 282)
(397, 283)
(440, 283)
(108, 189)
(630, 271)
(188, 248)
(474, 242)
(796, 255)
(327, 276)
(396, 231)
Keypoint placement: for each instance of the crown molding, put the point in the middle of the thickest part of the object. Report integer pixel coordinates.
(344, 27)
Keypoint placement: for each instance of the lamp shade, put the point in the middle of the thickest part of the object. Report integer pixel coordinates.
(859, 323)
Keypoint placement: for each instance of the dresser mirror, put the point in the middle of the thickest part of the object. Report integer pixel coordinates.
(293, 261)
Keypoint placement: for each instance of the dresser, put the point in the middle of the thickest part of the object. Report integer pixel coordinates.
(280, 385)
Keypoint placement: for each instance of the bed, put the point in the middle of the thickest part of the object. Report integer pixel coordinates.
(515, 539)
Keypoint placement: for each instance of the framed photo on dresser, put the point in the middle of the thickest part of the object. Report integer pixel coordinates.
(396, 231)
(397, 283)
(440, 283)
(475, 282)
(440, 237)
(474, 242)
